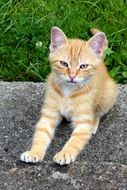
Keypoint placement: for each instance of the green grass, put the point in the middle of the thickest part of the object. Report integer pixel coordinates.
(26, 22)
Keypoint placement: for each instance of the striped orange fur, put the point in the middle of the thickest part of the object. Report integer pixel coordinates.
(79, 88)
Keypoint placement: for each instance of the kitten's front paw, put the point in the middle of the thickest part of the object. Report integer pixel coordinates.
(32, 156)
(63, 157)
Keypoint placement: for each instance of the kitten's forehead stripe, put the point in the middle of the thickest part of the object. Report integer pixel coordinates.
(75, 48)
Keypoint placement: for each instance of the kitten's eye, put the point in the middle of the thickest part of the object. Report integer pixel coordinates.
(64, 64)
(84, 66)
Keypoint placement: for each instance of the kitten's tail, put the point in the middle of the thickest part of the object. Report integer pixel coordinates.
(94, 31)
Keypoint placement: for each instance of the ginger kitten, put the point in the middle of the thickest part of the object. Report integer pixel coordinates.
(78, 88)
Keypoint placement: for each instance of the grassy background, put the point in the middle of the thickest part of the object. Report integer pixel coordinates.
(26, 22)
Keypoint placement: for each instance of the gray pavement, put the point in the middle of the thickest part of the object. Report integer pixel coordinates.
(101, 166)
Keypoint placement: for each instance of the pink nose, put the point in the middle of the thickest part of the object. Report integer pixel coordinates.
(72, 78)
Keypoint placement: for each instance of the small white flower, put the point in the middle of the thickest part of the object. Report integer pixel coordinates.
(38, 44)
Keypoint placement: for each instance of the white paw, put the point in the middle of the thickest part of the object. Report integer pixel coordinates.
(64, 158)
(31, 157)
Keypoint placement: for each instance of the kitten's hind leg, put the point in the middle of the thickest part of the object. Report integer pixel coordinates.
(97, 120)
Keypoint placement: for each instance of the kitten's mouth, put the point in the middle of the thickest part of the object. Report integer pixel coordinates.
(72, 82)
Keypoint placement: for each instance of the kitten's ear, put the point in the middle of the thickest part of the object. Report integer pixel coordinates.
(58, 39)
(98, 43)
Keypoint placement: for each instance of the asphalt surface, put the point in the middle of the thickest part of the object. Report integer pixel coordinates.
(101, 166)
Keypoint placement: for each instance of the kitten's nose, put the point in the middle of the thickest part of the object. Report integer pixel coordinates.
(72, 78)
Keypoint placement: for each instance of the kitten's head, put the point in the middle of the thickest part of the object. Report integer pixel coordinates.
(75, 61)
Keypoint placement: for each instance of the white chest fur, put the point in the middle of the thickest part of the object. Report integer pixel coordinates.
(66, 90)
(66, 109)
